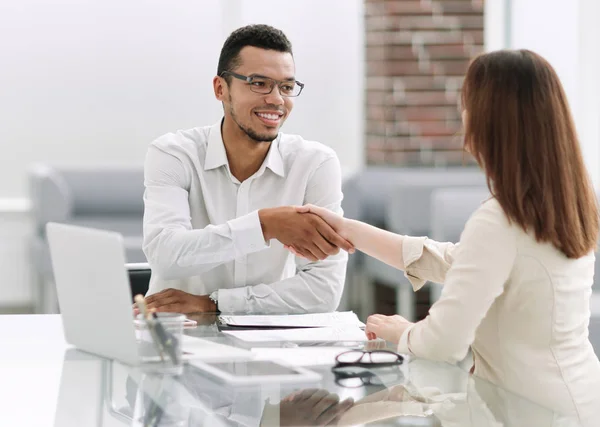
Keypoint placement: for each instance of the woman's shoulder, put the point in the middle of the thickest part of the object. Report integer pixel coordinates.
(489, 225)
(490, 214)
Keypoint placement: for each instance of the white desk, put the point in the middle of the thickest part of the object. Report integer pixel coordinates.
(43, 380)
(31, 360)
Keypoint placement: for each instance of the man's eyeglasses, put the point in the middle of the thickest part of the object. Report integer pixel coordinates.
(265, 85)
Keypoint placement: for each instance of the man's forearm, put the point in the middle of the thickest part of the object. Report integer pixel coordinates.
(316, 287)
(178, 253)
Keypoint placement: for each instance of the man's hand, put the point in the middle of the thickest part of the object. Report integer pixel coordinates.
(306, 233)
(335, 221)
(176, 301)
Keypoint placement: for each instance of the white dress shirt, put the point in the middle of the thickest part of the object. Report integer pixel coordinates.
(202, 232)
(522, 306)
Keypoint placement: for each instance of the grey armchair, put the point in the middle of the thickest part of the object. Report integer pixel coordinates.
(451, 208)
(595, 303)
(104, 198)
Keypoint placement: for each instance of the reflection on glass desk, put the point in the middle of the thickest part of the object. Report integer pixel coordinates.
(100, 392)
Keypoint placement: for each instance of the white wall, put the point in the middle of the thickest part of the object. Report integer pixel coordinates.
(553, 34)
(566, 33)
(496, 24)
(588, 85)
(93, 82)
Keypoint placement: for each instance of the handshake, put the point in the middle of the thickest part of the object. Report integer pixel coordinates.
(311, 232)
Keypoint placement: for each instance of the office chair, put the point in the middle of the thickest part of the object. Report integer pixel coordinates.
(139, 277)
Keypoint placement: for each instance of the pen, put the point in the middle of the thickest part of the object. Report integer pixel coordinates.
(154, 411)
(151, 322)
(168, 341)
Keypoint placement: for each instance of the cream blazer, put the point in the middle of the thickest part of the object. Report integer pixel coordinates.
(522, 307)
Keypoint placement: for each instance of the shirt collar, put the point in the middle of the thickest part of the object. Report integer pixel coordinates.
(274, 161)
(215, 152)
(216, 155)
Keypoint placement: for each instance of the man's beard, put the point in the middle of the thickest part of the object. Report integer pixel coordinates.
(255, 136)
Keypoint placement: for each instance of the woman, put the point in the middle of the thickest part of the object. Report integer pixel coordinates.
(517, 287)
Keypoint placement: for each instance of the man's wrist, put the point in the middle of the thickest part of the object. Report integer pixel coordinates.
(206, 304)
(264, 216)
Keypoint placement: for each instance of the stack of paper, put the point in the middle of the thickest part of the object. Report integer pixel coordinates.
(339, 334)
(317, 320)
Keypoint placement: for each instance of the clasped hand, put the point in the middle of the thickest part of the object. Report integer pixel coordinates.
(309, 231)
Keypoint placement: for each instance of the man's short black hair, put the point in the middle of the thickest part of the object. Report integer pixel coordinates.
(261, 36)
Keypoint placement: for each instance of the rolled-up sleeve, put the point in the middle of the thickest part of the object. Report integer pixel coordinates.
(426, 260)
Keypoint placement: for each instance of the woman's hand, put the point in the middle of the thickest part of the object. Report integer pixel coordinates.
(389, 328)
(335, 221)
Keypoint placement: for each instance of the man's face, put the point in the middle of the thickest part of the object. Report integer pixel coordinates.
(260, 116)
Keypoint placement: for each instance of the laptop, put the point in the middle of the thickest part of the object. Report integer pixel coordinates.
(94, 297)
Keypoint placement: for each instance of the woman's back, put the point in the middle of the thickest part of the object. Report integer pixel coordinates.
(522, 306)
(534, 339)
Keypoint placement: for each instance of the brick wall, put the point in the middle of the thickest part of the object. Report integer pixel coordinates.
(417, 52)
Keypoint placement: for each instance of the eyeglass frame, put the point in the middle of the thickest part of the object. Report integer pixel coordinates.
(365, 376)
(248, 79)
(338, 364)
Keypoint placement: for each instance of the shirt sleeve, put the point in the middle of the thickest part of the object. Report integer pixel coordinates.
(174, 250)
(482, 264)
(317, 286)
(426, 260)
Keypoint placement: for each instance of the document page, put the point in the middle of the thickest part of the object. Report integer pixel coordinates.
(354, 334)
(316, 320)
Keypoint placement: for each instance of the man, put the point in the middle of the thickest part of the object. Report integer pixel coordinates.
(218, 199)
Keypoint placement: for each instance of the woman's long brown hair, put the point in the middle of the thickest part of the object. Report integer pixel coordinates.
(519, 128)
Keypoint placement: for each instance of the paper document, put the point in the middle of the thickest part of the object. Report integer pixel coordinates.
(300, 356)
(316, 320)
(352, 333)
(200, 349)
